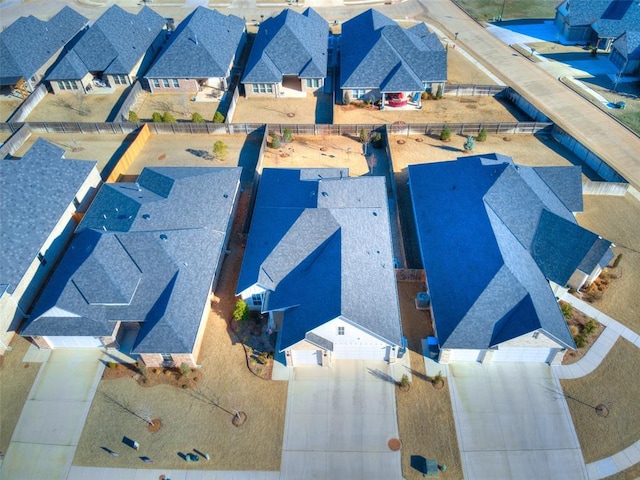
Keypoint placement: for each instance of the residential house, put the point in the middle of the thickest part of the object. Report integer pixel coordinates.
(142, 266)
(380, 60)
(28, 47)
(498, 241)
(597, 22)
(319, 261)
(200, 53)
(625, 53)
(289, 56)
(42, 196)
(113, 52)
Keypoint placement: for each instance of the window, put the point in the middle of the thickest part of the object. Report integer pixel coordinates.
(156, 83)
(175, 83)
(256, 298)
(340, 330)
(166, 357)
(428, 87)
(116, 79)
(43, 261)
(165, 82)
(262, 88)
(313, 82)
(61, 85)
(357, 93)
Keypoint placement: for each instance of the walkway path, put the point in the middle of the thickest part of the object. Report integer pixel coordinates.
(592, 127)
(587, 364)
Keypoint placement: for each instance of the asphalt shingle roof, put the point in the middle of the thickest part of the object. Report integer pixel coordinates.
(28, 43)
(329, 232)
(144, 252)
(35, 192)
(113, 44)
(628, 45)
(203, 46)
(289, 44)
(378, 53)
(609, 18)
(492, 233)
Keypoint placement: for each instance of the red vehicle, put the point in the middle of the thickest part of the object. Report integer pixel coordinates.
(396, 100)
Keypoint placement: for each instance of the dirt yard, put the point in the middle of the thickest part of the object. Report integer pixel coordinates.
(425, 418)
(8, 105)
(309, 110)
(75, 107)
(106, 149)
(319, 152)
(179, 104)
(189, 417)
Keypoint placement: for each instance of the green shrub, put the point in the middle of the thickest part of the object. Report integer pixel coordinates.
(439, 92)
(287, 137)
(404, 381)
(470, 143)
(197, 118)
(616, 262)
(220, 149)
(346, 98)
(133, 117)
(482, 135)
(580, 339)
(156, 117)
(567, 310)
(363, 135)
(241, 311)
(424, 95)
(445, 134)
(590, 327)
(185, 369)
(275, 141)
(218, 118)
(112, 365)
(377, 140)
(168, 118)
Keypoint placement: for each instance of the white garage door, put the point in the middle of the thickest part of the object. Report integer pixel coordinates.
(523, 355)
(305, 357)
(465, 355)
(359, 352)
(74, 342)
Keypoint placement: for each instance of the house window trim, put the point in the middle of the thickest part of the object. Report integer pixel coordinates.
(341, 330)
(156, 83)
(175, 83)
(256, 299)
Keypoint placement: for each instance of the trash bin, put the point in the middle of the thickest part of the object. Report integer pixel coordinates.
(621, 105)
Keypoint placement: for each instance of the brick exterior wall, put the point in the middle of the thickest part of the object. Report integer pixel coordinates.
(185, 85)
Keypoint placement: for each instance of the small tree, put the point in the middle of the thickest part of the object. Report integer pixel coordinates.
(133, 117)
(241, 311)
(567, 310)
(156, 117)
(275, 141)
(469, 144)
(439, 92)
(445, 134)
(168, 118)
(220, 149)
(287, 136)
(404, 381)
(346, 99)
(377, 140)
(185, 369)
(197, 118)
(482, 135)
(363, 135)
(218, 118)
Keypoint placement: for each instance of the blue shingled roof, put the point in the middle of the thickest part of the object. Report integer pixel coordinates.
(492, 233)
(35, 192)
(628, 44)
(329, 232)
(28, 43)
(378, 53)
(203, 46)
(145, 252)
(609, 18)
(113, 45)
(289, 44)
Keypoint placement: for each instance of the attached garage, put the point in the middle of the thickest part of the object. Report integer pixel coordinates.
(465, 355)
(359, 352)
(522, 354)
(74, 342)
(306, 357)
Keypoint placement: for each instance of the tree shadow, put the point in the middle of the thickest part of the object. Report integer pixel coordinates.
(381, 375)
(205, 155)
(446, 148)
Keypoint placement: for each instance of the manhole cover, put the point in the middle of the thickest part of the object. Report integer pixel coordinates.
(602, 410)
(394, 444)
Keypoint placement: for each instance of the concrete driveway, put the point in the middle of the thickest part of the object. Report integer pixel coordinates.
(45, 438)
(513, 422)
(338, 423)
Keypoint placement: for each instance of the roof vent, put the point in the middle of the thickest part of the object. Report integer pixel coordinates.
(325, 194)
(163, 237)
(225, 195)
(146, 216)
(375, 214)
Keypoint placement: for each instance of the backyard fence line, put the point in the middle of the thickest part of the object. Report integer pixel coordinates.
(463, 89)
(604, 188)
(411, 275)
(29, 104)
(129, 155)
(400, 249)
(13, 144)
(467, 128)
(129, 101)
(525, 105)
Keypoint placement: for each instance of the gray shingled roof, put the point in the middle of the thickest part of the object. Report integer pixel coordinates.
(329, 232)
(492, 233)
(378, 53)
(28, 43)
(609, 18)
(145, 252)
(289, 44)
(35, 192)
(203, 46)
(628, 45)
(112, 45)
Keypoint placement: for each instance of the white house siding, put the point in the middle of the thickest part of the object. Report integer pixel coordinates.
(461, 355)
(247, 294)
(355, 343)
(524, 354)
(305, 357)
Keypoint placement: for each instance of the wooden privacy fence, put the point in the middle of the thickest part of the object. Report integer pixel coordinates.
(473, 90)
(127, 104)
(467, 128)
(130, 155)
(410, 275)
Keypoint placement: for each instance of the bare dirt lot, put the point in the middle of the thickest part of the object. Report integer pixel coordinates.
(106, 149)
(8, 105)
(179, 104)
(75, 107)
(309, 110)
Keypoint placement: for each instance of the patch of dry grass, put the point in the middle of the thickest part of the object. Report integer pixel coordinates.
(615, 384)
(75, 107)
(16, 380)
(179, 104)
(425, 417)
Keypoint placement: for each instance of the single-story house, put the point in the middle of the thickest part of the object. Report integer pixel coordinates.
(112, 52)
(381, 60)
(596, 22)
(625, 53)
(142, 264)
(42, 196)
(28, 47)
(289, 55)
(498, 242)
(200, 53)
(319, 260)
